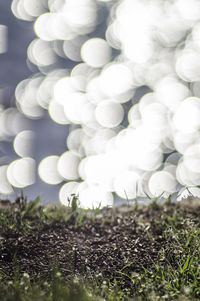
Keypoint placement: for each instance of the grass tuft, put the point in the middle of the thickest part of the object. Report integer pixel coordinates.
(124, 253)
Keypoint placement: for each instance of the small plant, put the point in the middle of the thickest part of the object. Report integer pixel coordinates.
(77, 215)
(154, 200)
(111, 258)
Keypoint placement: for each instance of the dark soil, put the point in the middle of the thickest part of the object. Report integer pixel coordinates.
(116, 237)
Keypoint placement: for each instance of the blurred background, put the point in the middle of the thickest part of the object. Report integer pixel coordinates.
(49, 137)
(99, 98)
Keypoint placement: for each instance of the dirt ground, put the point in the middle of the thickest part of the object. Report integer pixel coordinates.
(99, 247)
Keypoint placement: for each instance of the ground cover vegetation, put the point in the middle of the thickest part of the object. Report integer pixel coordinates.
(130, 252)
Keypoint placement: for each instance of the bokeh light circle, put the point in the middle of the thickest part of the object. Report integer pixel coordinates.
(68, 166)
(23, 143)
(162, 182)
(21, 172)
(48, 171)
(109, 114)
(96, 52)
(65, 192)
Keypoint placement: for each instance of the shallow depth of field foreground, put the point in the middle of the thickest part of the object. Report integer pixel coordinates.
(130, 252)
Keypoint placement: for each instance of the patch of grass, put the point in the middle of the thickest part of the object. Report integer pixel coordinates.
(123, 253)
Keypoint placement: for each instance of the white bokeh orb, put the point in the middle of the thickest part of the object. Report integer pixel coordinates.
(162, 182)
(23, 143)
(126, 183)
(68, 165)
(109, 114)
(187, 116)
(66, 191)
(21, 172)
(5, 186)
(116, 79)
(56, 112)
(96, 52)
(48, 172)
(95, 196)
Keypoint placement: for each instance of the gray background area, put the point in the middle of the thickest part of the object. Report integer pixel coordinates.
(50, 137)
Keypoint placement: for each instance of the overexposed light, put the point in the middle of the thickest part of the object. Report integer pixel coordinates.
(81, 69)
(95, 197)
(185, 176)
(187, 115)
(105, 0)
(26, 97)
(61, 28)
(98, 143)
(162, 182)
(116, 79)
(5, 186)
(45, 90)
(101, 138)
(193, 192)
(96, 52)
(41, 53)
(109, 114)
(146, 100)
(196, 33)
(24, 171)
(21, 172)
(171, 30)
(155, 115)
(18, 10)
(55, 6)
(63, 89)
(98, 170)
(65, 192)
(11, 122)
(189, 10)
(112, 36)
(23, 143)
(72, 48)
(171, 92)
(191, 158)
(135, 28)
(68, 166)
(35, 8)
(88, 118)
(125, 184)
(82, 169)
(188, 66)
(94, 92)
(43, 26)
(156, 48)
(48, 171)
(53, 26)
(182, 140)
(3, 38)
(14, 9)
(56, 112)
(74, 105)
(144, 154)
(149, 160)
(75, 141)
(157, 71)
(19, 90)
(134, 116)
(81, 15)
(143, 52)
